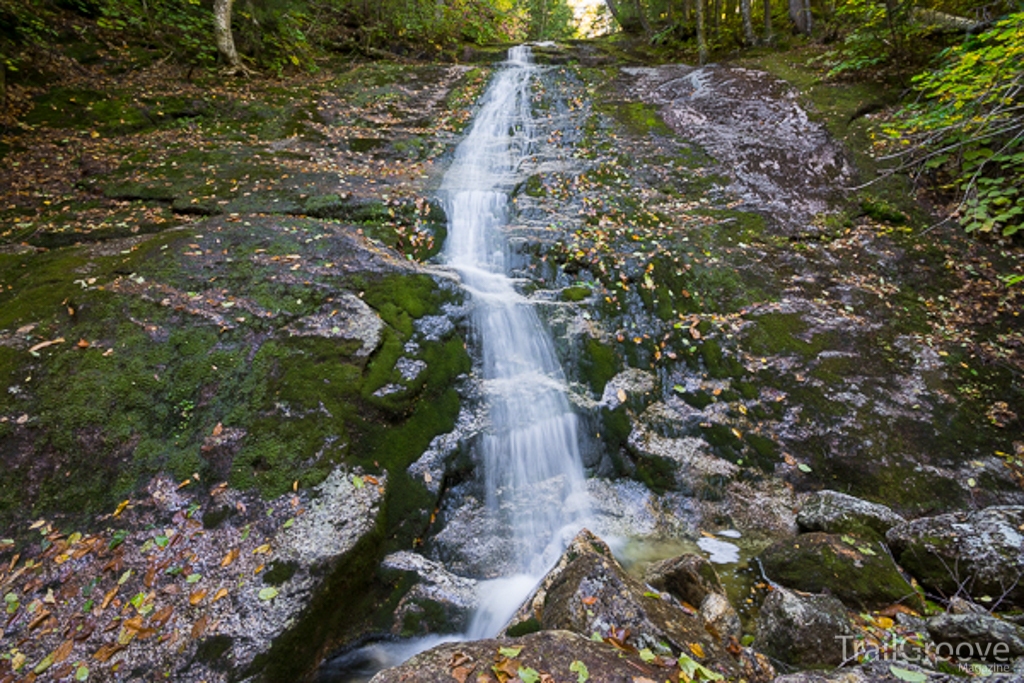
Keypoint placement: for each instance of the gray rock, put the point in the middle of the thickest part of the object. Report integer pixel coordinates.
(871, 672)
(697, 470)
(689, 578)
(440, 602)
(802, 630)
(634, 383)
(987, 636)
(350, 318)
(837, 513)
(548, 652)
(588, 592)
(978, 553)
(720, 617)
(693, 580)
(858, 572)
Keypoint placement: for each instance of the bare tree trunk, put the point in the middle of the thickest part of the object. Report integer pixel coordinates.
(226, 41)
(643, 19)
(800, 15)
(768, 36)
(702, 41)
(748, 22)
(629, 24)
(717, 7)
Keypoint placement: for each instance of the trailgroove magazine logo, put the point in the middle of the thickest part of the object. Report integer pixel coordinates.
(970, 657)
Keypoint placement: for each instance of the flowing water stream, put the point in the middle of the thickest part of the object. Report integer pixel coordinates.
(529, 453)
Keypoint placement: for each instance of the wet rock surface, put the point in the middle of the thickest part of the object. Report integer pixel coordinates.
(782, 163)
(439, 601)
(980, 553)
(860, 572)
(588, 592)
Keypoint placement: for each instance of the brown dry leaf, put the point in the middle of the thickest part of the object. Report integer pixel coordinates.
(63, 651)
(589, 600)
(199, 628)
(109, 596)
(43, 345)
(221, 593)
(642, 679)
(106, 652)
(38, 619)
(458, 659)
(161, 617)
(230, 557)
(83, 344)
(218, 429)
(461, 673)
(133, 624)
(197, 596)
(892, 610)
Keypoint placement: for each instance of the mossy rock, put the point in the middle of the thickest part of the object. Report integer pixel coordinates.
(858, 571)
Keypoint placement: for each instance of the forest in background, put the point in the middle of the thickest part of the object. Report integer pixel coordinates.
(956, 66)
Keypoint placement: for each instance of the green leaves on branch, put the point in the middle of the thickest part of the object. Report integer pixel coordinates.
(968, 125)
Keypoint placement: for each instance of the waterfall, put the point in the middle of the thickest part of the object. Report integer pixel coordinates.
(530, 454)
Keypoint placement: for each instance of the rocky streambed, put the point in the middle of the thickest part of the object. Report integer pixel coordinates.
(241, 412)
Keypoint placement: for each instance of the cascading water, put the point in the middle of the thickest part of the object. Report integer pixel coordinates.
(532, 467)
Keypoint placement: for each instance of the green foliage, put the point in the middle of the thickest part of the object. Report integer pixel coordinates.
(968, 126)
(874, 35)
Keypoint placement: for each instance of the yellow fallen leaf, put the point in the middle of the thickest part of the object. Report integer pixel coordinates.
(197, 596)
(230, 557)
(621, 395)
(696, 649)
(222, 593)
(121, 507)
(260, 550)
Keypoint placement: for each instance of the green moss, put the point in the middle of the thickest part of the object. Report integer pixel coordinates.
(779, 333)
(212, 650)
(639, 118)
(576, 293)
(279, 572)
(524, 628)
(598, 364)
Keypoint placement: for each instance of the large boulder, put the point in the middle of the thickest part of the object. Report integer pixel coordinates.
(859, 572)
(438, 602)
(588, 592)
(981, 553)
(838, 513)
(802, 630)
(550, 655)
(882, 671)
(693, 580)
(976, 636)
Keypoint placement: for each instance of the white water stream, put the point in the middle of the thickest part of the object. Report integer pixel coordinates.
(531, 461)
(530, 455)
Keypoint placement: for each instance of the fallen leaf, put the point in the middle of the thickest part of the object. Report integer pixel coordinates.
(197, 596)
(262, 549)
(106, 652)
(199, 627)
(221, 593)
(63, 651)
(621, 395)
(83, 344)
(697, 649)
(43, 345)
(218, 429)
(268, 593)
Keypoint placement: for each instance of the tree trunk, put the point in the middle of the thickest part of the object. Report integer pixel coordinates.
(629, 24)
(748, 22)
(800, 15)
(226, 41)
(643, 19)
(702, 41)
(769, 38)
(717, 7)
